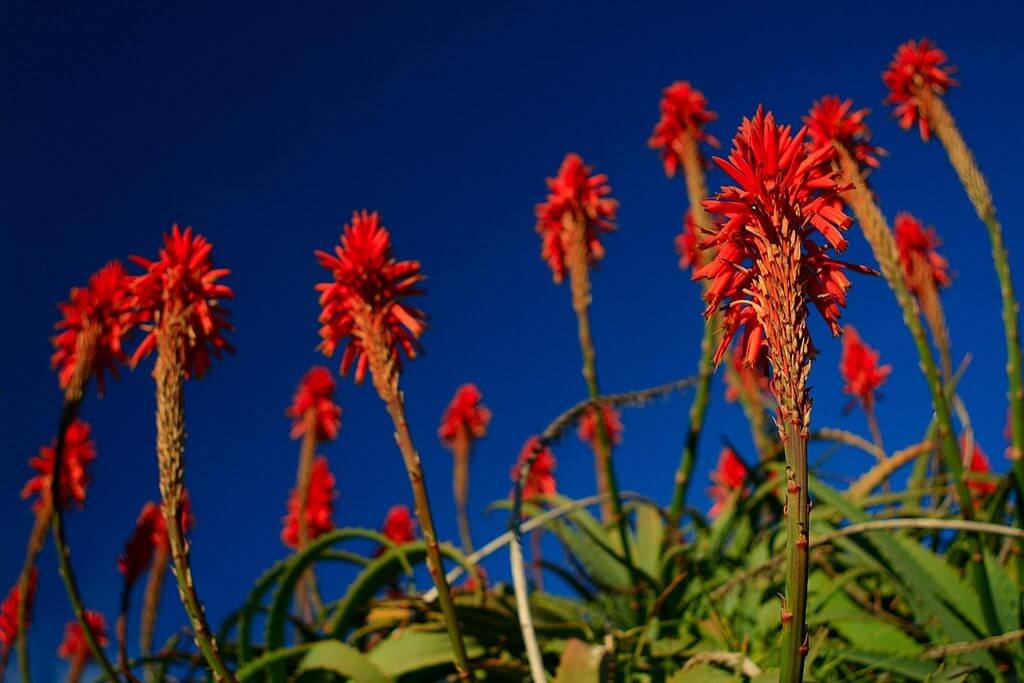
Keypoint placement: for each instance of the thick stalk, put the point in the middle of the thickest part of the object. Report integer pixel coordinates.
(151, 605)
(460, 487)
(36, 541)
(170, 440)
(303, 481)
(794, 609)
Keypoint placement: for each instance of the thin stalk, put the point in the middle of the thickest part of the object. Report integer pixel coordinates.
(460, 487)
(36, 541)
(303, 481)
(794, 609)
(876, 431)
(151, 605)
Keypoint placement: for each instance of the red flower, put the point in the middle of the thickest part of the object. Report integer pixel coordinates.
(918, 256)
(9, 611)
(785, 192)
(728, 478)
(138, 551)
(916, 68)
(182, 286)
(315, 392)
(79, 451)
(832, 121)
(688, 244)
(587, 430)
(540, 481)
(977, 463)
(319, 506)
(574, 195)
(105, 302)
(752, 377)
(365, 273)
(75, 646)
(860, 369)
(465, 417)
(684, 111)
(399, 527)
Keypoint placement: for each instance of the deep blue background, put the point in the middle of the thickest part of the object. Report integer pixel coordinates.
(265, 126)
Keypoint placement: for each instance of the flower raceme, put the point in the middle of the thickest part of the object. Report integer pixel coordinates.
(75, 646)
(366, 275)
(181, 289)
(9, 611)
(587, 430)
(834, 121)
(316, 393)
(859, 367)
(79, 451)
(684, 113)
(319, 506)
(540, 480)
(465, 417)
(150, 534)
(399, 526)
(917, 68)
(104, 306)
(575, 197)
(919, 257)
(728, 477)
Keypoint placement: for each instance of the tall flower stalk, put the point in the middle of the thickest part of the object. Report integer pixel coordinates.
(364, 310)
(767, 271)
(465, 420)
(679, 134)
(917, 78)
(178, 298)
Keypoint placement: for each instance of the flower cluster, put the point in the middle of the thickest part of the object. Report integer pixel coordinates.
(684, 113)
(75, 646)
(319, 506)
(9, 611)
(575, 198)
(728, 477)
(834, 121)
(316, 393)
(540, 480)
(366, 275)
(149, 535)
(104, 308)
(465, 418)
(399, 526)
(922, 263)
(587, 430)
(181, 289)
(862, 375)
(73, 479)
(918, 67)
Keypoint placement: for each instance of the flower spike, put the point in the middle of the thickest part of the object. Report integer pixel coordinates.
(917, 67)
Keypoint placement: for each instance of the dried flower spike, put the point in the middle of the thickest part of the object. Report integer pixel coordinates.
(79, 451)
(319, 506)
(728, 477)
(540, 480)
(916, 68)
(684, 113)
(316, 392)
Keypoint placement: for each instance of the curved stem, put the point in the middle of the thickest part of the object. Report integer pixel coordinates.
(460, 487)
(151, 605)
(303, 480)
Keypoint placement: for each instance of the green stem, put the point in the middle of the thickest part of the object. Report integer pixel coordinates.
(794, 608)
(35, 545)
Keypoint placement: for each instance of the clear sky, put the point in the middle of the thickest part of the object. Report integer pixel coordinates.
(264, 125)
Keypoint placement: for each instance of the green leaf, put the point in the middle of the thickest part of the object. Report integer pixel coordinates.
(913, 669)
(1004, 594)
(406, 651)
(339, 658)
(580, 663)
(702, 673)
(650, 532)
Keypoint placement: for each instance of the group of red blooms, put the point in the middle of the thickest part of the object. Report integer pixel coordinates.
(779, 174)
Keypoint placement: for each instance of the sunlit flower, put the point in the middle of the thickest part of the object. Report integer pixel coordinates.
(9, 611)
(399, 526)
(465, 417)
(366, 274)
(104, 302)
(684, 111)
(860, 370)
(75, 645)
(79, 451)
(832, 120)
(977, 463)
(728, 478)
(918, 256)
(540, 480)
(182, 287)
(688, 244)
(916, 68)
(577, 196)
(316, 393)
(319, 506)
(587, 430)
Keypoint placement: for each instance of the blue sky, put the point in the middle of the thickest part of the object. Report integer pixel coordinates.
(266, 125)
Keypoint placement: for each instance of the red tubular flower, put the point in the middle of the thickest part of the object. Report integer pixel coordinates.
(977, 463)
(138, 551)
(106, 303)
(688, 244)
(684, 111)
(465, 417)
(540, 480)
(916, 68)
(182, 284)
(587, 430)
(74, 645)
(319, 506)
(574, 195)
(399, 526)
(79, 451)
(9, 611)
(832, 120)
(728, 478)
(785, 193)
(315, 392)
(860, 369)
(366, 274)
(918, 256)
